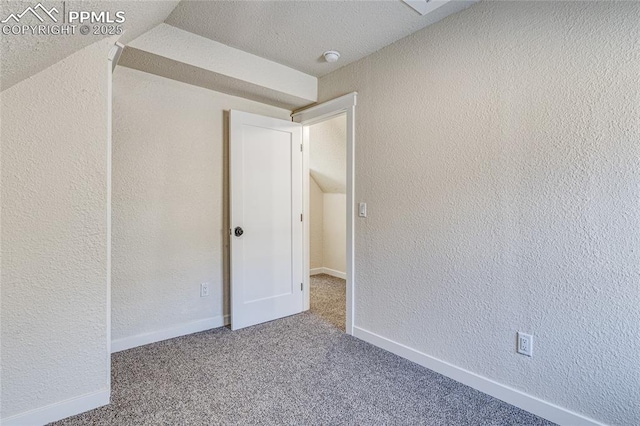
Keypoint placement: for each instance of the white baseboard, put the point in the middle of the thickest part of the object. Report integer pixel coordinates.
(59, 410)
(168, 333)
(335, 273)
(328, 271)
(505, 393)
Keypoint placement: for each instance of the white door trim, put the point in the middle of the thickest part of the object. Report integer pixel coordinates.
(343, 105)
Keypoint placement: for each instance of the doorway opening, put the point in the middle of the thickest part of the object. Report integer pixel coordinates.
(327, 219)
(328, 137)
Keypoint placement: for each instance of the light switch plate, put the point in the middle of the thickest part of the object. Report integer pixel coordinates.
(362, 209)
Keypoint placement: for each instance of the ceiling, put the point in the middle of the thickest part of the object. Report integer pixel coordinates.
(296, 33)
(328, 154)
(292, 33)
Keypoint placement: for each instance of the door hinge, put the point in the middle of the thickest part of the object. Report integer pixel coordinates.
(300, 147)
(301, 286)
(300, 217)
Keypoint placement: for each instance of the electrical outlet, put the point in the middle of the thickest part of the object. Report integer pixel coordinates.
(525, 344)
(204, 289)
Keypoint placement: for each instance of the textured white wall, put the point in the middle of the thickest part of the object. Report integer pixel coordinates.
(334, 235)
(498, 153)
(328, 154)
(316, 215)
(54, 233)
(169, 208)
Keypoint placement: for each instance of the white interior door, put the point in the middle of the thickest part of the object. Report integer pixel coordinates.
(266, 218)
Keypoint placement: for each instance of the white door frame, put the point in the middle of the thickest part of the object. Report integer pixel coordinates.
(343, 105)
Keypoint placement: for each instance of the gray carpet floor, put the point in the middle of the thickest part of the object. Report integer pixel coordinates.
(329, 300)
(300, 370)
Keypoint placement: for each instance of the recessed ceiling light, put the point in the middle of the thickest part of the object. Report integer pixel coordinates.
(331, 55)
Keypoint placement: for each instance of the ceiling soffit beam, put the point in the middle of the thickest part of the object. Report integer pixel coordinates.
(179, 71)
(191, 49)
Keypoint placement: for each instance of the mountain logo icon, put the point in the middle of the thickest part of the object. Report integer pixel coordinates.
(33, 11)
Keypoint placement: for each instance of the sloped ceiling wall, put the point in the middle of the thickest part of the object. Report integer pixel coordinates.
(22, 56)
(328, 154)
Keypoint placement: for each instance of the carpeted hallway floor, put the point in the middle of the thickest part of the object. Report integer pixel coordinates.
(329, 299)
(300, 370)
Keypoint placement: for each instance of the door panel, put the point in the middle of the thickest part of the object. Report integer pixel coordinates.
(266, 202)
(267, 213)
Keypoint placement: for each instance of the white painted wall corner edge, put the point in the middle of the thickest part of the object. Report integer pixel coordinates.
(328, 271)
(169, 333)
(502, 392)
(59, 410)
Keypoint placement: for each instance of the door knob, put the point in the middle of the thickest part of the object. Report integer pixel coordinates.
(238, 231)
